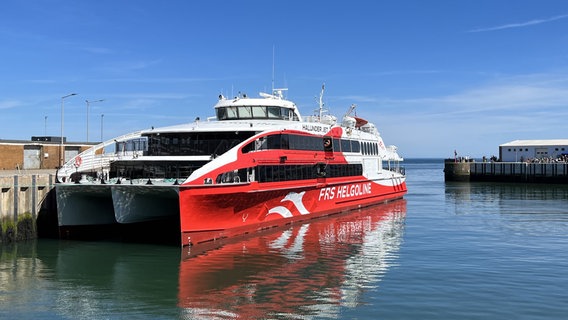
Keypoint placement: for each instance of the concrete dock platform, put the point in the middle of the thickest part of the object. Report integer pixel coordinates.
(22, 193)
(519, 172)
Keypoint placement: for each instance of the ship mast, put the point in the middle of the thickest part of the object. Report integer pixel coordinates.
(321, 101)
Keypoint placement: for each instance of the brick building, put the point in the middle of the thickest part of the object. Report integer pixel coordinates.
(38, 153)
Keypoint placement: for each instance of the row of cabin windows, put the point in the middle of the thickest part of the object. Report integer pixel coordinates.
(256, 112)
(154, 169)
(277, 173)
(217, 143)
(369, 148)
(194, 143)
(138, 144)
(311, 143)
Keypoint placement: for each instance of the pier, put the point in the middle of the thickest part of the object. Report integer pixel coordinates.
(21, 198)
(519, 172)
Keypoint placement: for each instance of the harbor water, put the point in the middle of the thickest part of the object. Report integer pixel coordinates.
(449, 250)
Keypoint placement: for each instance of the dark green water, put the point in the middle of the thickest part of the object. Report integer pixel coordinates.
(448, 251)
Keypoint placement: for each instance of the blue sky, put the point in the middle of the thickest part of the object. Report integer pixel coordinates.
(434, 76)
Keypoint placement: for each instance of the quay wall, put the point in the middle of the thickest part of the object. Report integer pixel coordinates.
(556, 173)
(21, 197)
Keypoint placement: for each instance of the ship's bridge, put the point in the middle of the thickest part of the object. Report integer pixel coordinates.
(270, 106)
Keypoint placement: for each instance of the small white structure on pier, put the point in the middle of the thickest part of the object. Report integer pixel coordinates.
(523, 150)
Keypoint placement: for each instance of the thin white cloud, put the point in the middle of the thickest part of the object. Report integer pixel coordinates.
(520, 24)
(406, 72)
(157, 80)
(528, 93)
(9, 104)
(98, 50)
(128, 66)
(476, 119)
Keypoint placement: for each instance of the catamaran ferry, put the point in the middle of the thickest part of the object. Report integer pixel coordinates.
(257, 164)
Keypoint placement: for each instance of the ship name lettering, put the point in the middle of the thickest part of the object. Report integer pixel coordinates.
(315, 128)
(345, 191)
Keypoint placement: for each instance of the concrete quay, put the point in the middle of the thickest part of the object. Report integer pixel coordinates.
(21, 196)
(518, 172)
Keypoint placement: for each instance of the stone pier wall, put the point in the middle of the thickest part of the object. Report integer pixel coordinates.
(21, 195)
(520, 172)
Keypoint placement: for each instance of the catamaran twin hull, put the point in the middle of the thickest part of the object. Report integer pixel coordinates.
(215, 213)
(257, 164)
(100, 210)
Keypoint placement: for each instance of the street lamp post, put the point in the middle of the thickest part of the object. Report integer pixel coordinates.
(62, 150)
(88, 104)
(45, 126)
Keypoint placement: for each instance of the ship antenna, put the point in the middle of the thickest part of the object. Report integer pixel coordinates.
(321, 101)
(272, 69)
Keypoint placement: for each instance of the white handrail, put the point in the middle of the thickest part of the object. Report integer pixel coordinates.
(94, 158)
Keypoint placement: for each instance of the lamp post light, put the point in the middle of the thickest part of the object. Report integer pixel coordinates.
(88, 105)
(62, 148)
(45, 126)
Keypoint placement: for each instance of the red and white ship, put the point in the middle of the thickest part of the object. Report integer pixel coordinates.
(257, 164)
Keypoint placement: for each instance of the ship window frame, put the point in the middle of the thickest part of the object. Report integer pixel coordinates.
(244, 112)
(274, 112)
(232, 112)
(355, 146)
(259, 115)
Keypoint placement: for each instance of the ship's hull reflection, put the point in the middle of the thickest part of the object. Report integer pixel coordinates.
(309, 269)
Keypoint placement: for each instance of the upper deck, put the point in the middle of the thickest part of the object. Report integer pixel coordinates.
(268, 107)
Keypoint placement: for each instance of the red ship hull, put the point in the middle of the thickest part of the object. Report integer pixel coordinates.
(211, 213)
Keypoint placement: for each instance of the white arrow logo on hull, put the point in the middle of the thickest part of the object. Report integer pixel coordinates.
(296, 199)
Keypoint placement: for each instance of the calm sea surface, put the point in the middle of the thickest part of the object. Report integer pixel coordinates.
(448, 251)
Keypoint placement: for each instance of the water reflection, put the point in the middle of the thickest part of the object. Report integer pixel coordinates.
(519, 209)
(312, 269)
(300, 271)
(524, 197)
(52, 279)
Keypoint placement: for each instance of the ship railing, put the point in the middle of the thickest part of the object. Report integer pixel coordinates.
(95, 158)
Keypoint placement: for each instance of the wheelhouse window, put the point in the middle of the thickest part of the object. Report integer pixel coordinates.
(245, 112)
(256, 112)
(232, 113)
(275, 113)
(259, 112)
